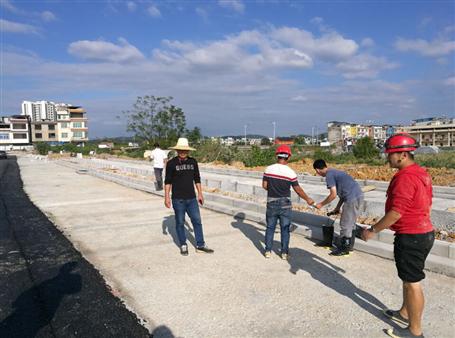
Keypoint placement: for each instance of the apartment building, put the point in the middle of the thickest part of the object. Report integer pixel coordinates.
(56, 122)
(15, 132)
(433, 131)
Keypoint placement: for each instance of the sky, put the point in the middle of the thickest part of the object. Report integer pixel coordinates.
(233, 63)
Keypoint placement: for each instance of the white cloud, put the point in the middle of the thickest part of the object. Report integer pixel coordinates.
(154, 11)
(249, 51)
(131, 6)
(105, 51)
(16, 27)
(236, 5)
(331, 46)
(367, 42)
(48, 16)
(440, 46)
(364, 66)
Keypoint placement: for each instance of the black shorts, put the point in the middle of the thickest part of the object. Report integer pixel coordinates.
(411, 251)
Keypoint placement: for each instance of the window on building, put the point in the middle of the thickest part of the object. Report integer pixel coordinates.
(38, 135)
(64, 125)
(19, 126)
(52, 135)
(19, 136)
(64, 135)
(38, 127)
(77, 124)
(78, 134)
(51, 127)
(4, 136)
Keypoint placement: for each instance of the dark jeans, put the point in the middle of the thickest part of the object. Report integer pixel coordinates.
(159, 178)
(280, 209)
(192, 209)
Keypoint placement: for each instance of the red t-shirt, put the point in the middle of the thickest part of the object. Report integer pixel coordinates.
(410, 194)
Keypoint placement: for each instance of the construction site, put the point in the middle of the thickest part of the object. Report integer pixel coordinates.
(111, 213)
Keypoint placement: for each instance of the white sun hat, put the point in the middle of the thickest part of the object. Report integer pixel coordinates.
(182, 144)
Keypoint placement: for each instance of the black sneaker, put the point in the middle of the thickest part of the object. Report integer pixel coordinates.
(204, 249)
(339, 252)
(184, 250)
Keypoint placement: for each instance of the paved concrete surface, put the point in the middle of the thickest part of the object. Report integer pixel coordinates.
(47, 288)
(129, 236)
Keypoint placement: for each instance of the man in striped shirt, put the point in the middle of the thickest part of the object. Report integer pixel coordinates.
(277, 180)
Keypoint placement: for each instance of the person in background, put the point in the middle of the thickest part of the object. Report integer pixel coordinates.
(407, 212)
(159, 158)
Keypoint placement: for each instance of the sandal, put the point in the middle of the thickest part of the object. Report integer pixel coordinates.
(396, 316)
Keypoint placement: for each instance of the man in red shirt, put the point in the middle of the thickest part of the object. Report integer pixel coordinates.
(408, 206)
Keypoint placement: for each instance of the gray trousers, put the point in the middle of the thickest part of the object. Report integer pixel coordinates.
(349, 213)
(158, 178)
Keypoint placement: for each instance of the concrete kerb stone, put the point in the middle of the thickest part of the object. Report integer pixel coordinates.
(441, 258)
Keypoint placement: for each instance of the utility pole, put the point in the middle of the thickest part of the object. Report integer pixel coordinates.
(317, 135)
(312, 135)
(274, 125)
(245, 132)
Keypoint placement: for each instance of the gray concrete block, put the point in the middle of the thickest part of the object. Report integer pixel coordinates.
(386, 236)
(259, 191)
(227, 185)
(452, 251)
(246, 206)
(214, 184)
(244, 189)
(440, 248)
(440, 264)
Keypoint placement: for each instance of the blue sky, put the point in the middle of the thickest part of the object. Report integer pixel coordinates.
(233, 63)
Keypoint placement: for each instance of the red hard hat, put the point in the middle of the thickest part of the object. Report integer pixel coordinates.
(400, 142)
(283, 149)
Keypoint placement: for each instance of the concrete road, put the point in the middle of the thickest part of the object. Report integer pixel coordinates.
(129, 236)
(47, 288)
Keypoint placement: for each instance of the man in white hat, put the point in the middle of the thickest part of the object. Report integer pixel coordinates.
(182, 173)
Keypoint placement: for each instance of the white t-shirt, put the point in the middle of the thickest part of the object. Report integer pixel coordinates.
(158, 157)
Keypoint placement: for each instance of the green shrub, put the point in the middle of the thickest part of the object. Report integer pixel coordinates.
(323, 155)
(259, 157)
(365, 149)
(42, 148)
(440, 160)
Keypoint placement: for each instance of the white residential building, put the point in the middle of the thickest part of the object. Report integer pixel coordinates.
(15, 132)
(56, 122)
(39, 110)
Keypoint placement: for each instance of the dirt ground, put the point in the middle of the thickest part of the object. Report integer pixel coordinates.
(440, 176)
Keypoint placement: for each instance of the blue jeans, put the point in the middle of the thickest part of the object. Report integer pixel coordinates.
(192, 209)
(280, 209)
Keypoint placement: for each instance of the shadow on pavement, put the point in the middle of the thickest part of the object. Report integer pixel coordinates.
(162, 332)
(25, 321)
(320, 269)
(168, 227)
(254, 234)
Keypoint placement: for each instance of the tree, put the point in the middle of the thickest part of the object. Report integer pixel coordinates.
(154, 119)
(365, 148)
(265, 141)
(300, 139)
(194, 135)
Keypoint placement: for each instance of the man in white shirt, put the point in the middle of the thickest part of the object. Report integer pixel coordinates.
(159, 158)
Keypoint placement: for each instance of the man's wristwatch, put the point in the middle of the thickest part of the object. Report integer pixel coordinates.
(371, 229)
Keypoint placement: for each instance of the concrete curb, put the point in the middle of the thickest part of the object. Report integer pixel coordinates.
(441, 258)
